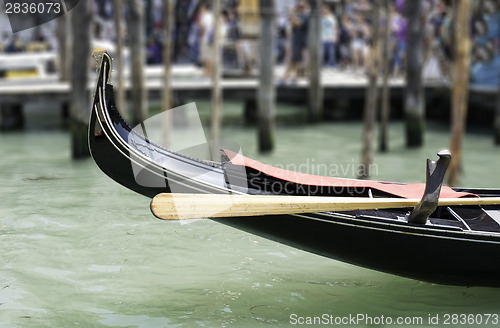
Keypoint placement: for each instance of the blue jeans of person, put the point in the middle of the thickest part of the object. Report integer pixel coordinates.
(329, 56)
(400, 53)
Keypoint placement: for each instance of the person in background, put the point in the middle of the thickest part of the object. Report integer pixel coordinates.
(399, 26)
(359, 45)
(281, 38)
(206, 25)
(232, 25)
(153, 52)
(329, 32)
(437, 18)
(345, 42)
(446, 32)
(5, 41)
(157, 16)
(299, 22)
(193, 38)
(13, 45)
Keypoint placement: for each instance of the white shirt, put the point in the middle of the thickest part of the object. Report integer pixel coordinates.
(328, 28)
(207, 22)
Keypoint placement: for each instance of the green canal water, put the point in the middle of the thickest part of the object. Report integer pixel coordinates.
(78, 250)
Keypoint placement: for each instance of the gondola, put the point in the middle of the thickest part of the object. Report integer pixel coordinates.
(455, 245)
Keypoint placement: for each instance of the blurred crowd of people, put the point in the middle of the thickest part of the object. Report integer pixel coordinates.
(346, 33)
(193, 34)
(35, 42)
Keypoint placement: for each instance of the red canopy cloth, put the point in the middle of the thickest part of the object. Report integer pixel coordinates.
(413, 190)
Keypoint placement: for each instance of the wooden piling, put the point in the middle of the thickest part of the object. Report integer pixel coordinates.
(371, 98)
(81, 19)
(137, 44)
(460, 92)
(315, 92)
(168, 27)
(216, 76)
(414, 96)
(385, 110)
(118, 64)
(11, 116)
(250, 112)
(266, 94)
(63, 33)
(167, 95)
(65, 46)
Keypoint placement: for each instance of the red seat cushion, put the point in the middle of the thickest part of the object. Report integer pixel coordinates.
(413, 190)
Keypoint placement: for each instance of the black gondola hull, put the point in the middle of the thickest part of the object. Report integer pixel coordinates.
(435, 253)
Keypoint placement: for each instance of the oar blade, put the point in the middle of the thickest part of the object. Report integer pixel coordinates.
(179, 206)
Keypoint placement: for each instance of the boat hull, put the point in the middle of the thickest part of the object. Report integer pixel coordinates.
(439, 257)
(447, 251)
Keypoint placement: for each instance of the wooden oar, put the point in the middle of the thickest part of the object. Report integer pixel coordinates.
(194, 206)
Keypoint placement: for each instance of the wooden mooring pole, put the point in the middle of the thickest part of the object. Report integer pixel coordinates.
(137, 44)
(371, 99)
(216, 76)
(266, 94)
(315, 93)
(460, 92)
(168, 27)
(119, 67)
(81, 18)
(11, 116)
(167, 95)
(385, 110)
(414, 96)
(65, 44)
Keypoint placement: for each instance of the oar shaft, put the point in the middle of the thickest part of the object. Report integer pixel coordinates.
(191, 206)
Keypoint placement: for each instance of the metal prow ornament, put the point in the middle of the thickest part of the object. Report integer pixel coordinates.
(435, 173)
